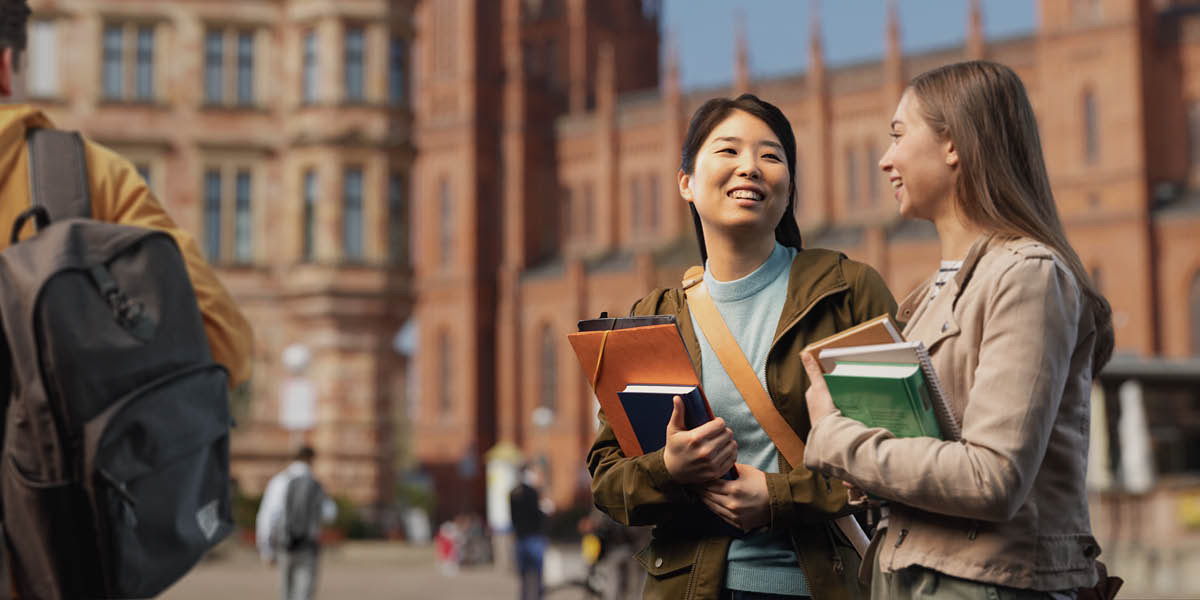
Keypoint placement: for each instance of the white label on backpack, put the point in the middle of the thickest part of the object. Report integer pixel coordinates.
(206, 517)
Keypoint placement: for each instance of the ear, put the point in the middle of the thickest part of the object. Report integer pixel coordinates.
(951, 154)
(6, 72)
(685, 186)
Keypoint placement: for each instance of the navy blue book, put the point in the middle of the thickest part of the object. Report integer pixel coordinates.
(649, 410)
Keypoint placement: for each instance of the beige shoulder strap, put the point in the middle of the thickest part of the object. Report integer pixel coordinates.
(731, 357)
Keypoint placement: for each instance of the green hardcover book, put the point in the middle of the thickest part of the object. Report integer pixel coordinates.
(889, 395)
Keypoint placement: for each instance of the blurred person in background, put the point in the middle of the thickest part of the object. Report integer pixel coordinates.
(289, 525)
(529, 512)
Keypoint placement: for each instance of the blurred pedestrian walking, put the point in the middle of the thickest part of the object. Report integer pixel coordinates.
(529, 512)
(289, 524)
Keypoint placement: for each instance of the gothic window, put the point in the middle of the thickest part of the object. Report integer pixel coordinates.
(445, 363)
(308, 92)
(144, 73)
(1194, 304)
(653, 208)
(352, 214)
(214, 72)
(355, 45)
(398, 72)
(113, 72)
(245, 68)
(1091, 135)
(635, 205)
(446, 224)
(851, 178)
(397, 218)
(308, 225)
(873, 176)
(243, 247)
(212, 214)
(798, 175)
(585, 210)
(549, 371)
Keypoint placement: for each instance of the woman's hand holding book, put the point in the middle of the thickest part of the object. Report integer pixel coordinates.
(697, 455)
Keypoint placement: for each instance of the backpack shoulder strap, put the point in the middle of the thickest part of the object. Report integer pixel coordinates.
(730, 355)
(58, 173)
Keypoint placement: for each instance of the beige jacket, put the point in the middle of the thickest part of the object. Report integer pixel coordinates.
(1011, 338)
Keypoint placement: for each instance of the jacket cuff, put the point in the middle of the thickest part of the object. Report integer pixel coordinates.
(812, 460)
(779, 493)
(656, 469)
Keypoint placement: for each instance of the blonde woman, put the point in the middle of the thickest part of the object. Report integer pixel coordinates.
(1016, 332)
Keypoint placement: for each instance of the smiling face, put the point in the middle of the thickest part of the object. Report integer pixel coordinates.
(740, 180)
(921, 167)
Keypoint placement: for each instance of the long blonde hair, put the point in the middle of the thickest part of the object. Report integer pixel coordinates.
(1002, 184)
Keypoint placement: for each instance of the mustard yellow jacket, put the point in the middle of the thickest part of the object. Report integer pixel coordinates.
(686, 557)
(119, 195)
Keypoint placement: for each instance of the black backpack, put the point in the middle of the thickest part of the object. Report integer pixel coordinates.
(301, 510)
(115, 470)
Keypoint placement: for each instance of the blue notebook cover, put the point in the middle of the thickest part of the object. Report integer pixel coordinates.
(649, 410)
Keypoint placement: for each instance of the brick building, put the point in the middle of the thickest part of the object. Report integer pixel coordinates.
(555, 111)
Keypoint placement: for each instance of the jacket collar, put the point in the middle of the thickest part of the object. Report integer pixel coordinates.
(814, 274)
(912, 302)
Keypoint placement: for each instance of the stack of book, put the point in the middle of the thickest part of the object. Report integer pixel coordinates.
(878, 378)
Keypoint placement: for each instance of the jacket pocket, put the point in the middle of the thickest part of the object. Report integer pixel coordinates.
(671, 565)
(1070, 552)
(946, 329)
(663, 558)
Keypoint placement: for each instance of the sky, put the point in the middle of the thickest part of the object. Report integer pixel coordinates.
(853, 31)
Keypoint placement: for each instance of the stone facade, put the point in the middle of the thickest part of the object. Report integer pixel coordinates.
(209, 101)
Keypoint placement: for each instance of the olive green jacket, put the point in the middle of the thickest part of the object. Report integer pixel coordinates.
(827, 292)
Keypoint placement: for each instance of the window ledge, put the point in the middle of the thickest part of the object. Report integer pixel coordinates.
(132, 103)
(238, 108)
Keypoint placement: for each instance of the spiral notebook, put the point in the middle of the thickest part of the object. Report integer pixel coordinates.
(900, 353)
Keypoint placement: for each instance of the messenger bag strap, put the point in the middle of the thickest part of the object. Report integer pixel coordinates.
(58, 173)
(705, 312)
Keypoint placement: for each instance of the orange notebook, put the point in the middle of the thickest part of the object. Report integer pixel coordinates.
(645, 355)
(880, 330)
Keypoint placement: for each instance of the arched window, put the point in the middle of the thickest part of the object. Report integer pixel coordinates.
(652, 203)
(873, 176)
(308, 225)
(446, 224)
(798, 175)
(445, 367)
(1091, 135)
(548, 394)
(1194, 309)
(851, 178)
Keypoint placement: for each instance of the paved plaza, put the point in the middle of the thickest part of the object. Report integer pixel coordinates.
(394, 570)
(362, 571)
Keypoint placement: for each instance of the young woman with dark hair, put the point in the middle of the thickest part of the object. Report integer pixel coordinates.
(1016, 332)
(776, 297)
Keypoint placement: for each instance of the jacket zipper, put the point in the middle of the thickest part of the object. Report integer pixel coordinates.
(791, 324)
(838, 567)
(687, 594)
